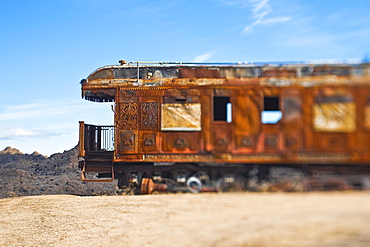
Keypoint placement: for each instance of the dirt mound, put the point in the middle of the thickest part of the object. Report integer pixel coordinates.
(35, 174)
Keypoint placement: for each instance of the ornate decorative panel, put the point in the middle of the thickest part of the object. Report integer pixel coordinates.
(128, 141)
(188, 142)
(148, 142)
(292, 141)
(222, 137)
(246, 141)
(333, 142)
(128, 116)
(271, 142)
(149, 115)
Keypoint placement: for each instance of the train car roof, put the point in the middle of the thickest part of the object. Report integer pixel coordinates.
(100, 85)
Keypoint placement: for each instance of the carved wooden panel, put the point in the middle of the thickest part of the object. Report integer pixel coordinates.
(332, 141)
(148, 142)
(128, 116)
(127, 141)
(185, 141)
(149, 115)
(292, 141)
(246, 142)
(270, 141)
(222, 137)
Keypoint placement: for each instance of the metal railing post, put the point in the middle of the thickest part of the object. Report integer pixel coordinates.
(81, 142)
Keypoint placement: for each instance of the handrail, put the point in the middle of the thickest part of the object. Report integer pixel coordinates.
(95, 138)
(256, 63)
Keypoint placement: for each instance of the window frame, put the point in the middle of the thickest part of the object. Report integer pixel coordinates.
(271, 111)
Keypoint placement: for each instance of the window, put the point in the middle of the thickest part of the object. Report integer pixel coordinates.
(222, 109)
(334, 113)
(181, 117)
(271, 113)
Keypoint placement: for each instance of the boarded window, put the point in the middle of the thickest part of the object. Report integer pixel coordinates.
(271, 113)
(335, 113)
(292, 108)
(181, 117)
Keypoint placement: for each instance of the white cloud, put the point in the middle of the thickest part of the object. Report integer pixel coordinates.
(40, 108)
(47, 110)
(49, 125)
(203, 57)
(275, 20)
(24, 134)
(261, 10)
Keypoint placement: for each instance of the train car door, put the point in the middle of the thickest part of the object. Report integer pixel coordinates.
(222, 121)
(246, 106)
(271, 120)
(281, 118)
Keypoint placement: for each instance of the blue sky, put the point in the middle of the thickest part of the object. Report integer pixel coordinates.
(48, 46)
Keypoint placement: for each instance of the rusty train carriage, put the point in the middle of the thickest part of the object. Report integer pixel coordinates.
(190, 126)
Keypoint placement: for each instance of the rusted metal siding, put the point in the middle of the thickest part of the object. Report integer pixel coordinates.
(325, 113)
(206, 111)
(199, 73)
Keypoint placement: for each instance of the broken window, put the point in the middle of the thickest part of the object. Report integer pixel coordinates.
(334, 113)
(222, 109)
(271, 113)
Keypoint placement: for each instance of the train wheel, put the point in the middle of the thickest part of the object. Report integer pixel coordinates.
(145, 186)
(194, 184)
(148, 186)
(204, 178)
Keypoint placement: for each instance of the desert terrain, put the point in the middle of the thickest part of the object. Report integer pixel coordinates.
(43, 202)
(214, 219)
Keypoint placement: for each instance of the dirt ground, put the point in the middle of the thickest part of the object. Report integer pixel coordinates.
(222, 219)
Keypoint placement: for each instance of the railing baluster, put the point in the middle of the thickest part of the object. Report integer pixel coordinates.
(98, 138)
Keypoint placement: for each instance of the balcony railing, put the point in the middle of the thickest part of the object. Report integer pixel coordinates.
(96, 138)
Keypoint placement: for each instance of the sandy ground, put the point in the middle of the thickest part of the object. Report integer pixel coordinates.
(223, 219)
